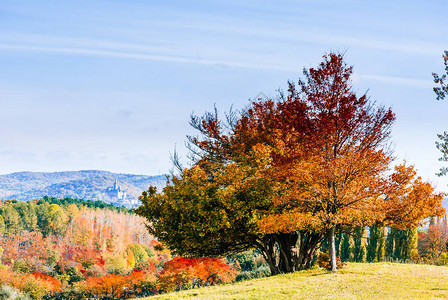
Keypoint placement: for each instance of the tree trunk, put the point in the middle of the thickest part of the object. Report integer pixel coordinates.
(282, 255)
(268, 251)
(332, 248)
(308, 245)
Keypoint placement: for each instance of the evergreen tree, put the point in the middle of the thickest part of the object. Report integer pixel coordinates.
(400, 237)
(411, 242)
(372, 245)
(12, 219)
(405, 242)
(380, 254)
(359, 247)
(375, 246)
(346, 247)
(390, 241)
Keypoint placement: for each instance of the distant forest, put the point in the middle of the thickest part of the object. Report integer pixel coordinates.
(74, 249)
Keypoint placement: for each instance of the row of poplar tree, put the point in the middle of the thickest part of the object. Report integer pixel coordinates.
(374, 244)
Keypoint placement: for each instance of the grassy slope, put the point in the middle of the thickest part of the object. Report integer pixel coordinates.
(356, 281)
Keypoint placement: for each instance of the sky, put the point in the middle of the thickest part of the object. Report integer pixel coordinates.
(111, 85)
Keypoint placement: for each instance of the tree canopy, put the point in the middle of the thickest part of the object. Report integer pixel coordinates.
(287, 173)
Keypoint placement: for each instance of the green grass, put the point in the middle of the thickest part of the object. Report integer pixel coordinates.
(355, 281)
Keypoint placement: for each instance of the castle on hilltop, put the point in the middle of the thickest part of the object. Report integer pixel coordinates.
(117, 195)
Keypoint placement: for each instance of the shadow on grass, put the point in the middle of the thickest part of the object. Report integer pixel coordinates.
(320, 274)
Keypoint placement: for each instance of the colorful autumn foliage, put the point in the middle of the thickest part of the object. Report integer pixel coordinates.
(36, 285)
(434, 242)
(103, 253)
(286, 174)
(184, 273)
(112, 286)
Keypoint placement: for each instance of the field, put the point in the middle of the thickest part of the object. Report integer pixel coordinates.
(355, 281)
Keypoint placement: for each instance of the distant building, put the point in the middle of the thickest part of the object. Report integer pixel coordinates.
(116, 192)
(117, 195)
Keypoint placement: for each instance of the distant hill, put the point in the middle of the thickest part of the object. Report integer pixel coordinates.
(117, 188)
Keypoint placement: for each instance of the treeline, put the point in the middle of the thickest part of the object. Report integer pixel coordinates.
(48, 215)
(375, 244)
(82, 203)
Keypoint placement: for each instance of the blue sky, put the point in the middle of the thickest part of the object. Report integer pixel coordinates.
(111, 84)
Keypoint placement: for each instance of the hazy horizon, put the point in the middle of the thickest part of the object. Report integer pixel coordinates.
(83, 170)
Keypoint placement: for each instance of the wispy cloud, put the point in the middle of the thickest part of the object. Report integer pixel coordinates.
(143, 56)
(403, 81)
(410, 82)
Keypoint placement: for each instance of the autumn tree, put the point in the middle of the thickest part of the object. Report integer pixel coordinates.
(320, 157)
(433, 243)
(197, 216)
(330, 158)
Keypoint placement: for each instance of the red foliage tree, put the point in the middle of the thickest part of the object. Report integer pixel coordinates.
(321, 152)
(433, 242)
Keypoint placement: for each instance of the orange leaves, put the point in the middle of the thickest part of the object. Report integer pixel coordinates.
(180, 273)
(31, 247)
(433, 242)
(409, 200)
(329, 162)
(113, 286)
(35, 284)
(54, 284)
(314, 161)
(289, 221)
(177, 274)
(110, 285)
(87, 256)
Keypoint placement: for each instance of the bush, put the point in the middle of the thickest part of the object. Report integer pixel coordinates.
(9, 292)
(113, 286)
(184, 273)
(443, 260)
(21, 266)
(74, 275)
(139, 252)
(70, 293)
(415, 257)
(148, 251)
(35, 287)
(52, 285)
(245, 260)
(262, 271)
(323, 261)
(116, 265)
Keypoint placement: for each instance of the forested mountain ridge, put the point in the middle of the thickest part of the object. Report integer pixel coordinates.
(85, 184)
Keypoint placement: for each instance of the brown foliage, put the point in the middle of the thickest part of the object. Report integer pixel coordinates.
(323, 261)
